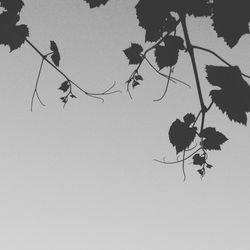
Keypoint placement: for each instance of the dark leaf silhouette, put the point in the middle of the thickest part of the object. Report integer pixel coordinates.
(181, 135)
(209, 166)
(212, 139)
(55, 57)
(198, 160)
(14, 6)
(72, 96)
(233, 97)
(230, 19)
(135, 83)
(96, 3)
(138, 77)
(11, 34)
(154, 23)
(167, 56)
(201, 171)
(189, 119)
(64, 86)
(133, 53)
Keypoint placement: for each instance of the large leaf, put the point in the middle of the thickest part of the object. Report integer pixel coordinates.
(153, 14)
(11, 34)
(233, 97)
(168, 55)
(133, 53)
(181, 134)
(212, 139)
(96, 3)
(230, 19)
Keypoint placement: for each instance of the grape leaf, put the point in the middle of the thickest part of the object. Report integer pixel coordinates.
(12, 5)
(133, 53)
(168, 55)
(55, 57)
(181, 135)
(64, 86)
(230, 19)
(233, 97)
(212, 139)
(198, 160)
(96, 3)
(11, 34)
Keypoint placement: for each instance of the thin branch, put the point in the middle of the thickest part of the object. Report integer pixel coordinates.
(216, 55)
(174, 162)
(35, 92)
(167, 85)
(183, 166)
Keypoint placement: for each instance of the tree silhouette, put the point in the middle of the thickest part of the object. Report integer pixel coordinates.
(160, 19)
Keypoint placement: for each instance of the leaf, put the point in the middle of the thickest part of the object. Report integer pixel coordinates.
(64, 86)
(198, 160)
(55, 57)
(201, 172)
(213, 139)
(154, 23)
(209, 166)
(230, 20)
(135, 83)
(138, 78)
(12, 5)
(233, 97)
(96, 3)
(133, 53)
(181, 135)
(189, 119)
(11, 34)
(167, 56)
(72, 96)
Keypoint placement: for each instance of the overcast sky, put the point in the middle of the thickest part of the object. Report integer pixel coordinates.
(83, 177)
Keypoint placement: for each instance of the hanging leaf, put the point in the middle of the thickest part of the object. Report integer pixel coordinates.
(181, 135)
(201, 172)
(55, 57)
(198, 160)
(96, 3)
(64, 86)
(209, 166)
(230, 19)
(138, 78)
(167, 56)
(133, 53)
(233, 97)
(135, 83)
(212, 139)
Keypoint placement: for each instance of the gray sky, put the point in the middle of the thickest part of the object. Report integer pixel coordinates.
(83, 177)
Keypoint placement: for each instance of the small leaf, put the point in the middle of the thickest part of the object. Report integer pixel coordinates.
(95, 3)
(138, 78)
(72, 96)
(233, 97)
(198, 159)
(189, 119)
(135, 83)
(133, 53)
(167, 56)
(209, 166)
(213, 139)
(201, 172)
(181, 135)
(64, 86)
(55, 57)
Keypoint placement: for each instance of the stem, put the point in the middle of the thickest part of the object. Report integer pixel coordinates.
(190, 50)
(35, 90)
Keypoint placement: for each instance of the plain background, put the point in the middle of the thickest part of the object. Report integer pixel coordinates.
(83, 177)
